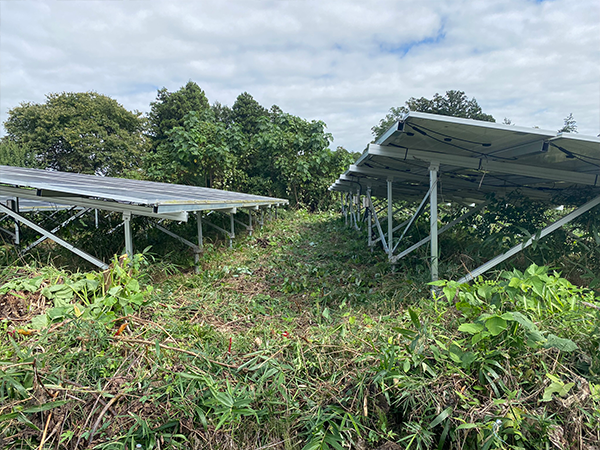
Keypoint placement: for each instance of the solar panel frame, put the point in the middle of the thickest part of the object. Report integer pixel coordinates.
(161, 197)
(539, 153)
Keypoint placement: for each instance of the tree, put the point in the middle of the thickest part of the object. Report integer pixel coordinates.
(202, 152)
(15, 155)
(170, 109)
(570, 125)
(247, 114)
(454, 103)
(82, 132)
(291, 158)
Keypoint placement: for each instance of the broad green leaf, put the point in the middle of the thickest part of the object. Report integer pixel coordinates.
(414, 318)
(39, 322)
(564, 345)
(471, 328)
(495, 325)
(467, 359)
(524, 321)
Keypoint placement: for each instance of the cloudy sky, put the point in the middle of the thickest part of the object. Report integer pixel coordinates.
(343, 62)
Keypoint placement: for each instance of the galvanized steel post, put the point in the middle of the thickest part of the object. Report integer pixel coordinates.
(390, 217)
(232, 235)
(433, 221)
(369, 219)
(128, 238)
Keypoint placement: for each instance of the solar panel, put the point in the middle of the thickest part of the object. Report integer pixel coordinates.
(161, 197)
(476, 159)
(426, 157)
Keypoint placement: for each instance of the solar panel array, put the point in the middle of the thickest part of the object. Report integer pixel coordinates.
(161, 197)
(476, 159)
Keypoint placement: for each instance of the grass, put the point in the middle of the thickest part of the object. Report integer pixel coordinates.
(296, 338)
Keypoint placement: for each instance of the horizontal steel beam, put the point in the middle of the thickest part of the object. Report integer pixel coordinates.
(485, 164)
(97, 204)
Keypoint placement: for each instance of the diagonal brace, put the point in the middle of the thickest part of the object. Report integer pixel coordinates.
(517, 248)
(446, 227)
(53, 237)
(55, 229)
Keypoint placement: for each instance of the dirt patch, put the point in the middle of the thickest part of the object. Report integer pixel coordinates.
(19, 306)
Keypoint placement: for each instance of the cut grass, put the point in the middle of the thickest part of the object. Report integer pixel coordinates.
(297, 337)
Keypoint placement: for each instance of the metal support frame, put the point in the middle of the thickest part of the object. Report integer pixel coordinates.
(416, 215)
(248, 227)
(230, 234)
(128, 236)
(441, 230)
(369, 220)
(53, 237)
(10, 233)
(14, 205)
(379, 229)
(517, 248)
(55, 229)
(390, 224)
(433, 219)
(196, 248)
(232, 224)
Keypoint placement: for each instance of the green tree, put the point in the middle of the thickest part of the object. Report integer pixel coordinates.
(247, 113)
(570, 125)
(82, 132)
(170, 109)
(453, 103)
(291, 159)
(12, 154)
(202, 152)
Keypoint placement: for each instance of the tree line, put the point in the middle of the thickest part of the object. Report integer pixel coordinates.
(186, 140)
(183, 139)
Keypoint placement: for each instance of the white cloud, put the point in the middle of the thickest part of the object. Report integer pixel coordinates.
(343, 62)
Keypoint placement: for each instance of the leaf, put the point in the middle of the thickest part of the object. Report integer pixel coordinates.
(471, 328)
(441, 417)
(414, 318)
(524, 321)
(467, 359)
(495, 325)
(455, 353)
(44, 407)
(564, 345)
(39, 322)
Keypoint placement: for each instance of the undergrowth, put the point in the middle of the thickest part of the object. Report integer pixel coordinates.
(296, 338)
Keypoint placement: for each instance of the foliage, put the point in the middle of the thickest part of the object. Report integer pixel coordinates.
(290, 158)
(300, 338)
(570, 125)
(453, 103)
(170, 109)
(15, 155)
(248, 114)
(202, 152)
(245, 148)
(81, 132)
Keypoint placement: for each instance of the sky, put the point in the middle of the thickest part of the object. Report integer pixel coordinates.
(343, 62)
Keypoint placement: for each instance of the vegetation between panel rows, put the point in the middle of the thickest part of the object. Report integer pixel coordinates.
(296, 338)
